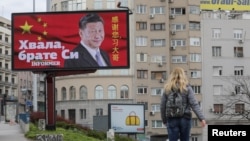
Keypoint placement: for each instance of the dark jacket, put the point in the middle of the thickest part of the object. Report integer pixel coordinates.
(85, 59)
(187, 96)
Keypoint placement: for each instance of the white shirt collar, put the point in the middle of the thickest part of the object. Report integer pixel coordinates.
(90, 50)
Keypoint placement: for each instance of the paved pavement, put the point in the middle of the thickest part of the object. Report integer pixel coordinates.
(12, 132)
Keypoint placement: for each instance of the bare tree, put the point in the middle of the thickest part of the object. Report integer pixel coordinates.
(236, 105)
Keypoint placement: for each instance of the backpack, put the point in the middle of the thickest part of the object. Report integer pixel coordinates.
(175, 105)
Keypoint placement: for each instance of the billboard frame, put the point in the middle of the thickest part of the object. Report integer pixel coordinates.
(132, 108)
(49, 68)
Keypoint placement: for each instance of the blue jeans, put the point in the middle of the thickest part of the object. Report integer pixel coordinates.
(178, 128)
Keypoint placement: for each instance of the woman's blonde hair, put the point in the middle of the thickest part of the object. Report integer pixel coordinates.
(177, 80)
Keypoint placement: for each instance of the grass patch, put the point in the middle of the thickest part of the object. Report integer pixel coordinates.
(68, 134)
(70, 131)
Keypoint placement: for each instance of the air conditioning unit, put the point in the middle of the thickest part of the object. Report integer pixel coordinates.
(172, 32)
(173, 47)
(171, 16)
(151, 16)
(211, 110)
(161, 80)
(152, 113)
(240, 41)
(160, 64)
(170, 1)
(233, 93)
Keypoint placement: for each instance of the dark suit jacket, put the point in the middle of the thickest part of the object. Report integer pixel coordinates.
(85, 59)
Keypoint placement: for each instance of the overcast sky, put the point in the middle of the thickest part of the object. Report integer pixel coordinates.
(19, 6)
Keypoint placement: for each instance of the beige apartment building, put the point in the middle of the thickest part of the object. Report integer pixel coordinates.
(163, 34)
(8, 79)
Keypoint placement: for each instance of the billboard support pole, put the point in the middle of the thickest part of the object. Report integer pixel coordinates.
(119, 6)
(50, 102)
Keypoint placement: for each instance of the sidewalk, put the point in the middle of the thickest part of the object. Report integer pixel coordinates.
(10, 132)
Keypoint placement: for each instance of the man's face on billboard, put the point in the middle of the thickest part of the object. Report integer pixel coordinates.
(93, 34)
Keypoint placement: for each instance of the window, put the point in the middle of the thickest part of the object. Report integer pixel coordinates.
(155, 107)
(141, 41)
(141, 25)
(99, 112)
(238, 51)
(157, 75)
(194, 138)
(157, 10)
(194, 41)
(195, 74)
(157, 26)
(99, 92)
(142, 74)
(178, 42)
(157, 91)
(237, 33)
(56, 94)
(64, 95)
(145, 104)
(141, 9)
(158, 42)
(218, 108)
(98, 4)
(239, 108)
(194, 9)
(216, 33)
(178, 27)
(73, 5)
(64, 6)
(194, 122)
(7, 66)
(83, 114)
(111, 4)
(238, 70)
(196, 89)
(83, 93)
(194, 25)
(141, 57)
(178, 11)
(63, 113)
(179, 59)
(216, 51)
(112, 92)
(142, 90)
(239, 89)
(195, 57)
(124, 92)
(217, 70)
(157, 124)
(72, 93)
(217, 89)
(158, 59)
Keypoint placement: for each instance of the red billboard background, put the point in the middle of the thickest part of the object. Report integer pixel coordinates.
(40, 39)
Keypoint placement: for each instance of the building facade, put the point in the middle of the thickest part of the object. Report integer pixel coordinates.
(225, 66)
(9, 82)
(163, 34)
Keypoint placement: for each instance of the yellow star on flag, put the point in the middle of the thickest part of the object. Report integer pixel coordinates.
(26, 27)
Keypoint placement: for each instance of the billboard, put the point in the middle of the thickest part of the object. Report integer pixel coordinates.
(237, 5)
(79, 40)
(127, 118)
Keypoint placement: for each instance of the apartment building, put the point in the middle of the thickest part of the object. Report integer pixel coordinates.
(163, 34)
(225, 38)
(8, 78)
(18, 86)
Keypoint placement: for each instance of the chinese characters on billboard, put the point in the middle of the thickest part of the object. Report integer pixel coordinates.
(70, 40)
